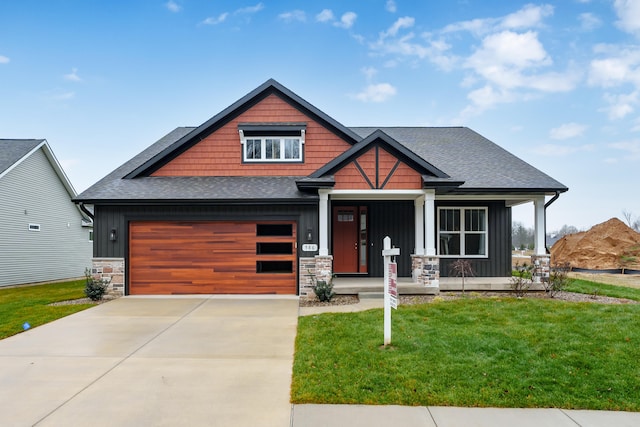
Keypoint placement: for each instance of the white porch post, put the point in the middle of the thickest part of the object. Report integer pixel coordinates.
(419, 226)
(540, 226)
(323, 227)
(430, 224)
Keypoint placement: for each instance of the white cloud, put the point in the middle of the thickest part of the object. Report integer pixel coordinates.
(529, 16)
(250, 9)
(621, 66)
(391, 6)
(401, 23)
(325, 16)
(395, 41)
(376, 93)
(589, 22)
(347, 20)
(59, 95)
(507, 48)
(632, 148)
(73, 76)
(628, 12)
(369, 72)
(567, 130)
(294, 15)
(4, 59)
(173, 6)
(215, 20)
(620, 105)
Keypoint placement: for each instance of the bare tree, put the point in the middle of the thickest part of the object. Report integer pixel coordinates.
(628, 217)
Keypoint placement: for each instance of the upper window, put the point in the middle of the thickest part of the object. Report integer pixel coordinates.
(462, 232)
(285, 149)
(272, 142)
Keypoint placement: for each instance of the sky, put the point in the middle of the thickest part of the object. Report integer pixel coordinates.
(556, 83)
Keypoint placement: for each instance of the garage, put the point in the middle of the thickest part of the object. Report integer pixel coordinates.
(212, 257)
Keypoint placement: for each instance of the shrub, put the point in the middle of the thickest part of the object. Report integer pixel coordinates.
(521, 279)
(462, 268)
(322, 288)
(558, 279)
(94, 288)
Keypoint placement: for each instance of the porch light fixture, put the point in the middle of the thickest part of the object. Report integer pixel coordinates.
(309, 235)
(113, 235)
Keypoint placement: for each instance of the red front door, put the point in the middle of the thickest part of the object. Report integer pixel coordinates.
(349, 239)
(345, 239)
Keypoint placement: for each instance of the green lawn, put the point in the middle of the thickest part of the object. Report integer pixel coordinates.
(29, 304)
(593, 288)
(501, 352)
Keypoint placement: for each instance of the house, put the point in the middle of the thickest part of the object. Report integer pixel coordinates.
(44, 235)
(272, 190)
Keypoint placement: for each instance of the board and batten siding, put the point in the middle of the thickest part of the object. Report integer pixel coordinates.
(498, 263)
(32, 193)
(118, 217)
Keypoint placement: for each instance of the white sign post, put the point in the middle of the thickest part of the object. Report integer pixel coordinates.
(390, 270)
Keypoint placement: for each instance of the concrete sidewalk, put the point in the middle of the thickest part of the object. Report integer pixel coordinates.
(437, 416)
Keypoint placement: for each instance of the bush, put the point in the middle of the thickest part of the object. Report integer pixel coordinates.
(462, 268)
(558, 279)
(94, 288)
(521, 280)
(322, 288)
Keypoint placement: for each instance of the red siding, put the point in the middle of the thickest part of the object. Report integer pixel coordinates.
(220, 154)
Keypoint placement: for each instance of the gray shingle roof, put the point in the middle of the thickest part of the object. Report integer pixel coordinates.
(12, 150)
(466, 156)
(114, 187)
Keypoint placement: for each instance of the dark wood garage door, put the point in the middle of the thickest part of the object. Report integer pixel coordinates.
(214, 257)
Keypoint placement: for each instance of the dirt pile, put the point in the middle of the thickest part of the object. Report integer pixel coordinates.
(609, 245)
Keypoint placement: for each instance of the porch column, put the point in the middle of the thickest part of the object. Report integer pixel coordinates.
(540, 226)
(323, 226)
(430, 221)
(419, 226)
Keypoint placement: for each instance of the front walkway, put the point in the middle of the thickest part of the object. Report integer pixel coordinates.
(165, 361)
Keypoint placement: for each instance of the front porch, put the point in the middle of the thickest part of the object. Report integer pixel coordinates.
(406, 286)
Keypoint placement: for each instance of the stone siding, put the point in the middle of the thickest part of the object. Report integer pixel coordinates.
(318, 267)
(112, 271)
(426, 270)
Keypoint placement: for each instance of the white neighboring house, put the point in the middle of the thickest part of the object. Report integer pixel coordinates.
(44, 236)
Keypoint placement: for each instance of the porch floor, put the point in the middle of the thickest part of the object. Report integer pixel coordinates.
(356, 285)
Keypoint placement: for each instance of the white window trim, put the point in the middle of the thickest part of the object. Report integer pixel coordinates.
(263, 151)
(462, 231)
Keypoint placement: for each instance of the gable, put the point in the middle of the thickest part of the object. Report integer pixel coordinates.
(220, 153)
(377, 169)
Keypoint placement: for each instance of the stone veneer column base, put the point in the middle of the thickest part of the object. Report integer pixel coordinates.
(426, 270)
(320, 267)
(541, 268)
(112, 271)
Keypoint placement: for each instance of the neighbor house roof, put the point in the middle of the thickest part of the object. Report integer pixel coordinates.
(15, 151)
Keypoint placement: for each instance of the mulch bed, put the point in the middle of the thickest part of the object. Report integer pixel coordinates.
(423, 299)
(104, 299)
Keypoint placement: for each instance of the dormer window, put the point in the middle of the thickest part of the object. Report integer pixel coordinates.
(272, 142)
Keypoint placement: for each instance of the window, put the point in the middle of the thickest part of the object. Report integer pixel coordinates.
(272, 149)
(272, 142)
(462, 232)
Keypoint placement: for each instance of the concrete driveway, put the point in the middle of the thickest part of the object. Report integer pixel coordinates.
(168, 361)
